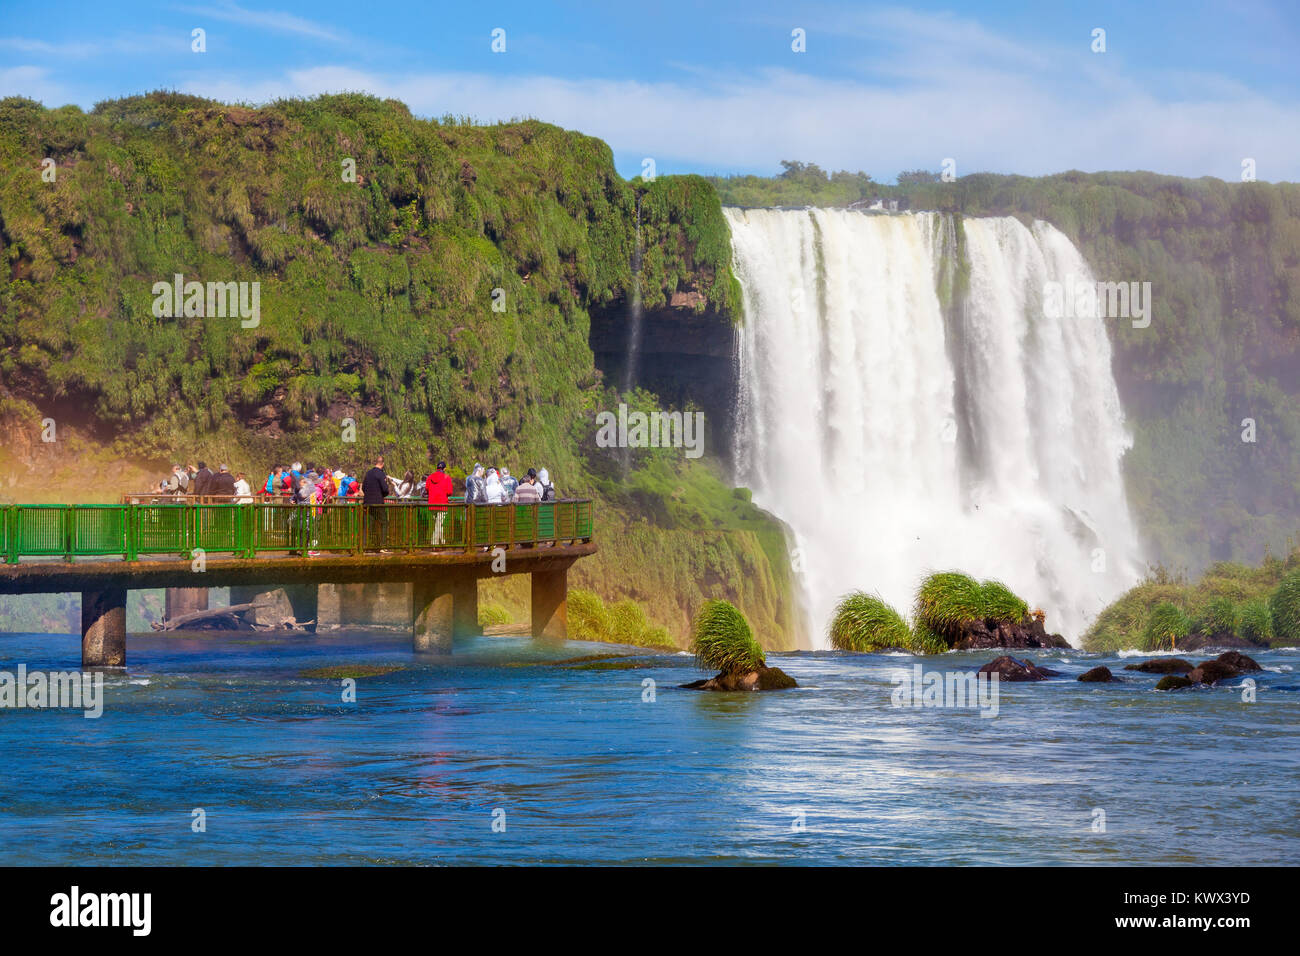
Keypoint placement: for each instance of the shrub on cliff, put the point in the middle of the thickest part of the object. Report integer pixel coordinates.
(722, 640)
(1285, 608)
(1165, 628)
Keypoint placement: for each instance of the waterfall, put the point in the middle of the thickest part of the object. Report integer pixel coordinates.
(897, 436)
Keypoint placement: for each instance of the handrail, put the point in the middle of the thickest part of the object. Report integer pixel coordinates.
(177, 525)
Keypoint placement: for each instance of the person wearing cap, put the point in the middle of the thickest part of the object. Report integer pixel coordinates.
(222, 483)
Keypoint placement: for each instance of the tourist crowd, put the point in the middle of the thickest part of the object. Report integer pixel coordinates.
(312, 484)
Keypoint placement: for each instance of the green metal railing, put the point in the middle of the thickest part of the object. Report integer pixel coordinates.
(154, 526)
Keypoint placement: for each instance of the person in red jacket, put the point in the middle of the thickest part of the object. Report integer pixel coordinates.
(438, 486)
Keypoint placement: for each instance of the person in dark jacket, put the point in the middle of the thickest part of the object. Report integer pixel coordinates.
(202, 480)
(374, 486)
(222, 483)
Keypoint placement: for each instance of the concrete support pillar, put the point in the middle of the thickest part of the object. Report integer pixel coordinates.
(185, 600)
(103, 628)
(305, 601)
(329, 606)
(550, 604)
(444, 606)
(303, 598)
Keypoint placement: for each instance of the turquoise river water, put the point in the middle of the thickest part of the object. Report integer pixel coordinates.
(499, 755)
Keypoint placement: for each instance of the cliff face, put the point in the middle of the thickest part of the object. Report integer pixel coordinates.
(419, 288)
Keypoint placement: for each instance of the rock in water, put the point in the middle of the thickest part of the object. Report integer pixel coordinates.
(1195, 642)
(1210, 672)
(1173, 682)
(1015, 669)
(1030, 632)
(765, 678)
(1238, 660)
(1161, 665)
(1098, 675)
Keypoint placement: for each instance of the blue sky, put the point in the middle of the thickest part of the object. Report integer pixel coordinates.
(1185, 88)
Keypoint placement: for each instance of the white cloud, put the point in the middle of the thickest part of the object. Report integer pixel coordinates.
(274, 20)
(33, 82)
(986, 120)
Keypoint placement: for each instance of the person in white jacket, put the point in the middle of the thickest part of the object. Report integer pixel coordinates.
(495, 490)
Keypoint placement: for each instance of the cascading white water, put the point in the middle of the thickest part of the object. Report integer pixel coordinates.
(893, 445)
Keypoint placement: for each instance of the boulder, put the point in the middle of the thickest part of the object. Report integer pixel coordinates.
(977, 635)
(1098, 675)
(1196, 642)
(1173, 682)
(1238, 660)
(1162, 665)
(1015, 669)
(765, 678)
(1210, 672)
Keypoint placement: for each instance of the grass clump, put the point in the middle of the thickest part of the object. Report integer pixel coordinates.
(625, 622)
(947, 600)
(1219, 616)
(1166, 627)
(1284, 605)
(863, 622)
(1255, 621)
(722, 640)
(490, 615)
(1001, 604)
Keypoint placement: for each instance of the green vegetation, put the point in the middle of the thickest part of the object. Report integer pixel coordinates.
(1219, 616)
(353, 671)
(863, 622)
(946, 603)
(947, 600)
(1002, 605)
(1223, 260)
(493, 615)
(1166, 626)
(1285, 607)
(1229, 598)
(621, 623)
(1255, 620)
(722, 640)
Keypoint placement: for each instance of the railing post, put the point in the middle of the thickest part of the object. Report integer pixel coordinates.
(67, 527)
(128, 522)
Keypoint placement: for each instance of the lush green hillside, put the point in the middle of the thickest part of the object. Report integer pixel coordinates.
(1223, 260)
(438, 299)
